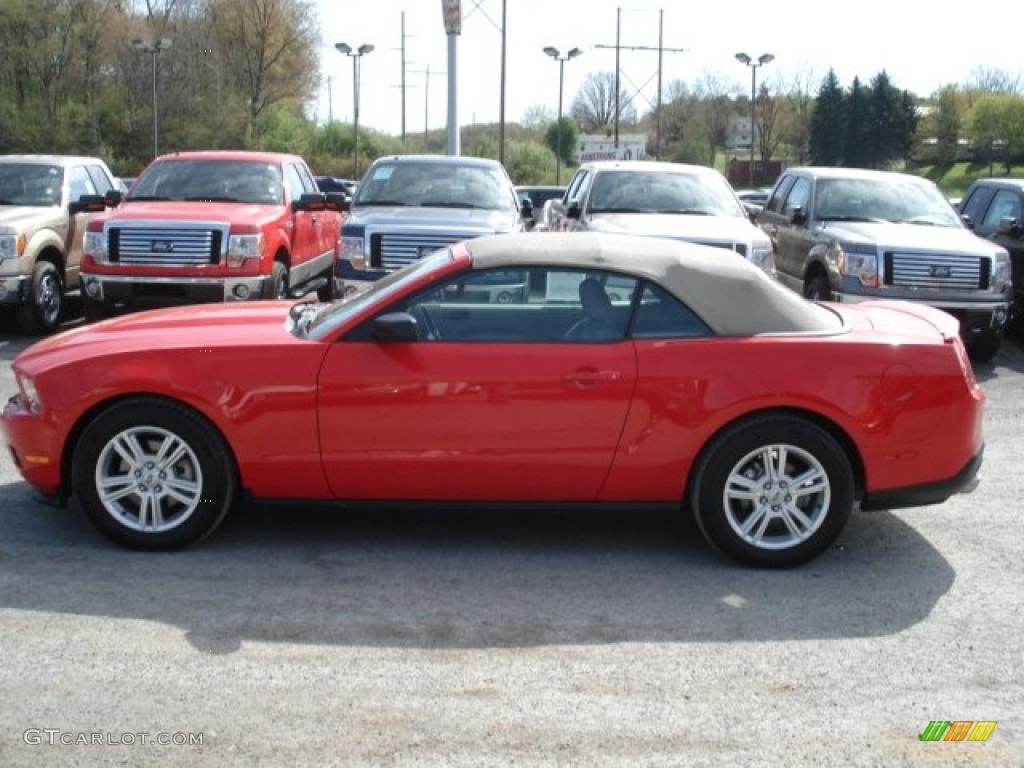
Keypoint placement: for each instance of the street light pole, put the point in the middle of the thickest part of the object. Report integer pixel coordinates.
(761, 60)
(355, 55)
(557, 56)
(153, 49)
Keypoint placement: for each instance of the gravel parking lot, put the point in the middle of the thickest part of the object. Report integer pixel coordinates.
(306, 637)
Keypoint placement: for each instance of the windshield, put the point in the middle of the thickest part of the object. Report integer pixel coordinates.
(894, 200)
(653, 192)
(437, 185)
(333, 315)
(30, 184)
(207, 180)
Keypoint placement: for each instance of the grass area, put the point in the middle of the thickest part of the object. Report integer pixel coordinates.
(955, 180)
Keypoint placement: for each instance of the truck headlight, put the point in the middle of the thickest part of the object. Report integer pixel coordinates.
(762, 255)
(352, 251)
(242, 247)
(859, 260)
(95, 246)
(1001, 273)
(11, 246)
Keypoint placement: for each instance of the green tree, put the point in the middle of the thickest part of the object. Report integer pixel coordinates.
(893, 122)
(858, 152)
(564, 134)
(529, 163)
(827, 143)
(997, 127)
(948, 124)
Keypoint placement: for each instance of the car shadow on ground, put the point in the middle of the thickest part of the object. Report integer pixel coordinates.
(447, 580)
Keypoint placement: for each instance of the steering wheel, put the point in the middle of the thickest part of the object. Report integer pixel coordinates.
(427, 331)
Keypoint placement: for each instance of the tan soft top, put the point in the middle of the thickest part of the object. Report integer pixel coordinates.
(734, 297)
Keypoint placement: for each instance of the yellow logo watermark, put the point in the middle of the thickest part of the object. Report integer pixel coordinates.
(958, 730)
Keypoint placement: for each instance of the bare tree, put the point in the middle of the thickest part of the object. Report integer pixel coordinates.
(594, 105)
(714, 92)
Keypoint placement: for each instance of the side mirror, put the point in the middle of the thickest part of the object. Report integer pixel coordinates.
(338, 201)
(395, 327)
(526, 208)
(968, 221)
(310, 201)
(1008, 226)
(88, 204)
(573, 211)
(797, 216)
(113, 198)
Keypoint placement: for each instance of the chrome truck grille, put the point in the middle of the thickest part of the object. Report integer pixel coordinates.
(936, 270)
(393, 250)
(179, 244)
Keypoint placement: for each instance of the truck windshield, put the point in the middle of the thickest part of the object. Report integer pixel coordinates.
(30, 184)
(208, 180)
(436, 185)
(891, 200)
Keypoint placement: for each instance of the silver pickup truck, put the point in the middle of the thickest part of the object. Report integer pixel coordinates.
(409, 205)
(846, 235)
(42, 225)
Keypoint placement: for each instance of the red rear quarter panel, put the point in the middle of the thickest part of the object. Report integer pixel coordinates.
(909, 412)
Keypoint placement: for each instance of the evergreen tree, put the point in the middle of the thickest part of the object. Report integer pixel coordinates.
(828, 123)
(859, 134)
(889, 139)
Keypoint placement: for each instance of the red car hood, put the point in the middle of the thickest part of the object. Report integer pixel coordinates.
(200, 327)
(231, 213)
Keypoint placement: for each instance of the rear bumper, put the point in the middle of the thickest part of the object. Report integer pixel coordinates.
(964, 481)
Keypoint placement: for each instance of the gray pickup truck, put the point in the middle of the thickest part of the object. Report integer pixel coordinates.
(409, 205)
(849, 235)
(42, 226)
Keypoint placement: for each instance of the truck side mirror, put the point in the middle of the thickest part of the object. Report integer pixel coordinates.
(88, 204)
(310, 201)
(573, 211)
(338, 201)
(797, 215)
(1008, 226)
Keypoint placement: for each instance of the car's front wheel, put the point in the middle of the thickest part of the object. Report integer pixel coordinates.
(773, 491)
(153, 474)
(40, 312)
(983, 348)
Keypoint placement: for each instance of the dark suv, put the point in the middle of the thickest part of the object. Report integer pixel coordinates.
(994, 209)
(849, 235)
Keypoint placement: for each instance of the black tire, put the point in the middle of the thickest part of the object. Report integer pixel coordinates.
(327, 292)
(41, 310)
(984, 348)
(193, 488)
(94, 311)
(789, 525)
(277, 286)
(816, 287)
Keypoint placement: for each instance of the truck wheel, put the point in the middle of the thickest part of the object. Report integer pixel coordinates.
(152, 474)
(40, 312)
(327, 292)
(94, 311)
(773, 491)
(984, 348)
(816, 288)
(277, 286)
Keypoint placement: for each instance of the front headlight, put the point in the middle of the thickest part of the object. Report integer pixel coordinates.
(242, 247)
(352, 252)
(1001, 273)
(859, 260)
(11, 246)
(762, 255)
(27, 388)
(95, 246)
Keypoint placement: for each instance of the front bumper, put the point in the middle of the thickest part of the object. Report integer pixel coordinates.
(13, 289)
(163, 291)
(31, 441)
(349, 280)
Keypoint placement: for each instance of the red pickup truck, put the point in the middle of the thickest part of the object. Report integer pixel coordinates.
(212, 226)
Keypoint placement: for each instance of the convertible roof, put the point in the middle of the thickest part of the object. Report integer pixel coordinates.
(734, 297)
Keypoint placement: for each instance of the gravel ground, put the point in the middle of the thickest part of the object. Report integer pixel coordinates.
(299, 637)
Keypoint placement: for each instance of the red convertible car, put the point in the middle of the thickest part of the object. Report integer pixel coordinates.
(635, 372)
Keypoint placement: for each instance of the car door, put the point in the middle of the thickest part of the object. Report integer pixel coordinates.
(505, 409)
(82, 180)
(305, 224)
(792, 239)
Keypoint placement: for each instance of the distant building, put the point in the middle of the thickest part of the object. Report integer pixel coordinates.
(632, 146)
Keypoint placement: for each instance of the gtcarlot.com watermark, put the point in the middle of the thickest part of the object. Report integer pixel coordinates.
(57, 737)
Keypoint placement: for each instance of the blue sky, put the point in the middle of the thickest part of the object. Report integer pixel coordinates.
(922, 45)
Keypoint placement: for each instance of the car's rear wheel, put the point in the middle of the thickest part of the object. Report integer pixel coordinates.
(151, 474)
(40, 312)
(773, 491)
